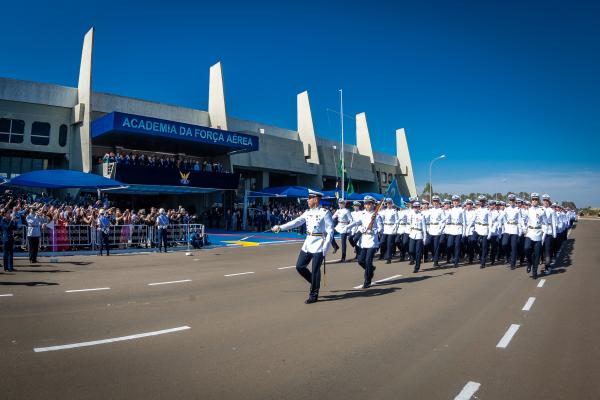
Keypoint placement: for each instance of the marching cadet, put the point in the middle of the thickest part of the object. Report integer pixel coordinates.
(319, 231)
(354, 214)
(482, 233)
(495, 230)
(523, 210)
(370, 225)
(390, 220)
(470, 216)
(427, 247)
(437, 221)
(162, 223)
(9, 223)
(511, 227)
(561, 228)
(418, 235)
(549, 229)
(446, 207)
(500, 207)
(402, 232)
(535, 217)
(103, 228)
(343, 216)
(455, 230)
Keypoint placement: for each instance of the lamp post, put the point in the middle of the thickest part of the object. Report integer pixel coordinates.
(430, 182)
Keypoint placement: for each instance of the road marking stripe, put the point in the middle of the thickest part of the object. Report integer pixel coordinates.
(380, 281)
(541, 283)
(468, 391)
(503, 343)
(528, 305)
(5, 295)
(104, 341)
(87, 290)
(291, 266)
(241, 273)
(166, 283)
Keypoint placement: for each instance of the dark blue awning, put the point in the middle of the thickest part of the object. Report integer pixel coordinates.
(154, 134)
(63, 179)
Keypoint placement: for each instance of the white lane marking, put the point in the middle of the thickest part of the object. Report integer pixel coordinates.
(541, 283)
(503, 343)
(468, 391)
(241, 273)
(293, 266)
(380, 281)
(166, 283)
(528, 305)
(5, 295)
(290, 266)
(87, 290)
(104, 341)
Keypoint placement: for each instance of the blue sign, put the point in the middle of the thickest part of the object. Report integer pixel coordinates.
(137, 124)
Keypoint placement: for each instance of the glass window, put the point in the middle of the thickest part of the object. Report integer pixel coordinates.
(40, 133)
(11, 130)
(62, 135)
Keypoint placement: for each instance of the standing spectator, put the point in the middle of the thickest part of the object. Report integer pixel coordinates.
(34, 231)
(8, 225)
(103, 227)
(162, 223)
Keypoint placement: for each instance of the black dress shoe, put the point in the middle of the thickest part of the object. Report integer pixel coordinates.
(412, 262)
(311, 300)
(512, 267)
(343, 260)
(528, 269)
(388, 261)
(435, 264)
(366, 285)
(534, 274)
(415, 270)
(482, 266)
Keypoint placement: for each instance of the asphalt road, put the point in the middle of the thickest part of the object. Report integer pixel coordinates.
(430, 335)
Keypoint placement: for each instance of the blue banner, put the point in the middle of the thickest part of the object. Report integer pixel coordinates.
(393, 193)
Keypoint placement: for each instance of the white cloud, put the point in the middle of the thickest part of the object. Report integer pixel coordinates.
(582, 187)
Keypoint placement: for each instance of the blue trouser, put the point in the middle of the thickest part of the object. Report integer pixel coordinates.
(512, 241)
(548, 246)
(533, 250)
(343, 238)
(387, 242)
(437, 244)
(162, 239)
(453, 248)
(482, 242)
(365, 260)
(402, 244)
(313, 278)
(493, 248)
(415, 249)
(104, 242)
(7, 255)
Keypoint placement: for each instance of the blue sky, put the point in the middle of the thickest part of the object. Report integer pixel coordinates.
(508, 90)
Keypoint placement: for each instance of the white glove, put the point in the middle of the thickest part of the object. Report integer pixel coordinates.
(276, 229)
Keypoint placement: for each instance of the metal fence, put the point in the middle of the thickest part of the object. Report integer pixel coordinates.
(85, 237)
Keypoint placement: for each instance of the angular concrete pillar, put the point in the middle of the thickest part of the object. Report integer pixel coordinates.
(363, 140)
(216, 98)
(404, 161)
(306, 128)
(81, 149)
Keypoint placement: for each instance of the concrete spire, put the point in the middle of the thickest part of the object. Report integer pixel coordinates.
(306, 128)
(81, 150)
(363, 140)
(404, 161)
(216, 98)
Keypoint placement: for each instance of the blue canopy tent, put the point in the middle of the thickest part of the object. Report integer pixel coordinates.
(63, 179)
(286, 191)
(328, 194)
(376, 196)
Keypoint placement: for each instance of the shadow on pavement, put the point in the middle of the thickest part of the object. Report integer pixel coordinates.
(371, 292)
(28, 283)
(412, 279)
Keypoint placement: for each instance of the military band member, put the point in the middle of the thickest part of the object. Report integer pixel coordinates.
(343, 217)
(319, 231)
(455, 230)
(103, 228)
(512, 223)
(437, 221)
(370, 226)
(390, 220)
(418, 235)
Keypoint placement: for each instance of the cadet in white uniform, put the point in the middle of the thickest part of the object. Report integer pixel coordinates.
(437, 221)
(495, 230)
(389, 217)
(455, 230)
(534, 237)
(402, 238)
(418, 234)
(549, 228)
(511, 227)
(319, 231)
(369, 238)
(353, 230)
(343, 217)
(469, 230)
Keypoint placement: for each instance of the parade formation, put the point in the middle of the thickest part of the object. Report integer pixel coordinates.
(447, 232)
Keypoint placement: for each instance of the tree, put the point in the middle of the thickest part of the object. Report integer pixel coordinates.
(569, 204)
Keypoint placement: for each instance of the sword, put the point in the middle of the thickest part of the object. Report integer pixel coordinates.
(251, 236)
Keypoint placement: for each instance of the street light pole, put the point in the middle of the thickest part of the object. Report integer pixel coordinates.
(430, 182)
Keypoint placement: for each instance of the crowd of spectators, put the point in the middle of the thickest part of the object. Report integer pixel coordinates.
(152, 161)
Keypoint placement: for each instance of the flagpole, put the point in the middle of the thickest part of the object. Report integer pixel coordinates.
(342, 146)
